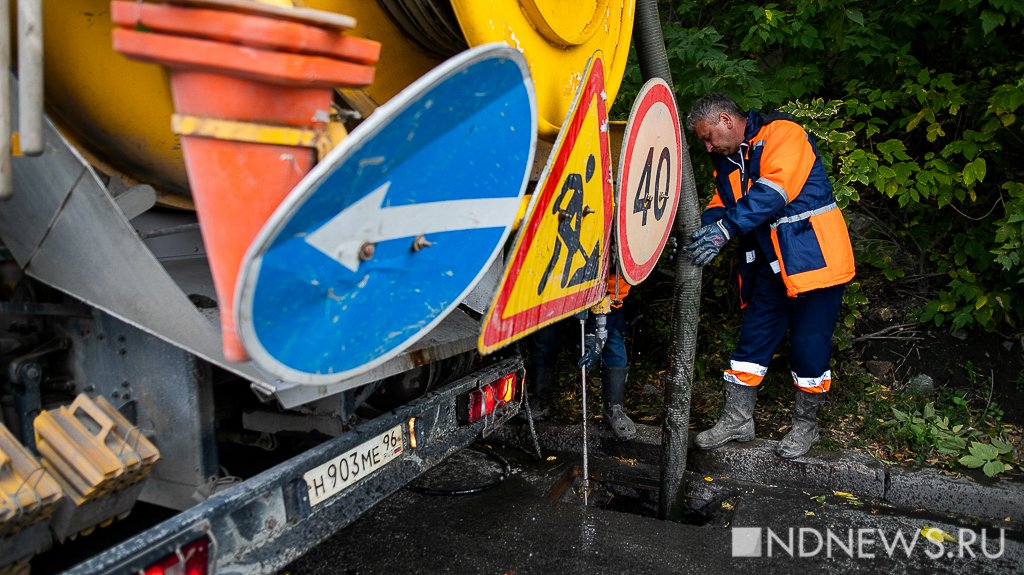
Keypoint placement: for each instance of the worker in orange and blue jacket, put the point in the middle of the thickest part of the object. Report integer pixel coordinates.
(772, 193)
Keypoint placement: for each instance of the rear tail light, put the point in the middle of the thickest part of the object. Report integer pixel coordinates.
(507, 388)
(191, 559)
(484, 400)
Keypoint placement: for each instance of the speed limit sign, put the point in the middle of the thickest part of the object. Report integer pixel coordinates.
(650, 169)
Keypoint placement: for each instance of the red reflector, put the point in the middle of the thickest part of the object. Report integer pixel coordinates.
(489, 397)
(475, 403)
(483, 401)
(507, 387)
(193, 559)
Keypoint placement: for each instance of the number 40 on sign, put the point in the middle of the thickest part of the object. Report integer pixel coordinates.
(650, 169)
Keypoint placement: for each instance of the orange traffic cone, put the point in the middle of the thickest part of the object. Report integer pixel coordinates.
(252, 96)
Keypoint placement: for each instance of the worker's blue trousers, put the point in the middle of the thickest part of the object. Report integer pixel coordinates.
(810, 319)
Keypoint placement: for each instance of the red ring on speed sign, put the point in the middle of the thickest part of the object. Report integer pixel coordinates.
(650, 170)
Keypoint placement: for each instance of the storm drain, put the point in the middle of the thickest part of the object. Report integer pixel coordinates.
(622, 485)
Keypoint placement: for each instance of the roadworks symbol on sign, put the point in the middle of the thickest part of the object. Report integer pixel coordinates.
(560, 260)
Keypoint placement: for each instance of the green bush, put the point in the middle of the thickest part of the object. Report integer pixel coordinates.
(916, 114)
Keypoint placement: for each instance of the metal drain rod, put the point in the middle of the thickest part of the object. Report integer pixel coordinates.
(583, 380)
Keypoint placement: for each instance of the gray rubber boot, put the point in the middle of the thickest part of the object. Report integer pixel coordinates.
(540, 389)
(804, 432)
(737, 420)
(613, 387)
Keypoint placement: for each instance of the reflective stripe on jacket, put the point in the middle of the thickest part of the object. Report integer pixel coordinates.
(774, 193)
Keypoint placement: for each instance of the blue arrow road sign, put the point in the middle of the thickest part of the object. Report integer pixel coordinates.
(393, 229)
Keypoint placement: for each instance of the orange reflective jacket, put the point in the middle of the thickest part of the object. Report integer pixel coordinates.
(774, 193)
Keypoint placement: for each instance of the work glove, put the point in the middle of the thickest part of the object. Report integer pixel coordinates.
(594, 339)
(673, 248)
(706, 243)
(591, 352)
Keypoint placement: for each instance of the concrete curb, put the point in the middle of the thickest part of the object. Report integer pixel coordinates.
(755, 462)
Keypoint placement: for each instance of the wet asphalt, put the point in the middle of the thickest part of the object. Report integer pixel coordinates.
(746, 512)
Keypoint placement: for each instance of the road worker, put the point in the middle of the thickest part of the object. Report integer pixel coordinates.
(604, 344)
(773, 196)
(611, 355)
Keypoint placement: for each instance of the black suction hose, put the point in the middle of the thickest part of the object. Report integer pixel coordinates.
(653, 60)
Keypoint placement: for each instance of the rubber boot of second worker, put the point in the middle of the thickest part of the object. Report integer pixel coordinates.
(804, 432)
(737, 420)
(613, 387)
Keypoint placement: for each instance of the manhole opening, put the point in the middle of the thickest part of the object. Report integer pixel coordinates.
(622, 492)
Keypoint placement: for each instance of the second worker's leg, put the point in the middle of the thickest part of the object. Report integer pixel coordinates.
(613, 378)
(812, 320)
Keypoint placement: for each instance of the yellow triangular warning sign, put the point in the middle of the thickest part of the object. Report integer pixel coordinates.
(560, 260)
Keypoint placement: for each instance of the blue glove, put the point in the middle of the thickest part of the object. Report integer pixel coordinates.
(706, 243)
(591, 352)
(594, 338)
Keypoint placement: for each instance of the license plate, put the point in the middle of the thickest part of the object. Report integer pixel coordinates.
(329, 479)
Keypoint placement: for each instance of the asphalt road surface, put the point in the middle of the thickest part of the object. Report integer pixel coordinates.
(532, 520)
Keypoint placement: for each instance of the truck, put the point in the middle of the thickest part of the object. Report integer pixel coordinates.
(118, 387)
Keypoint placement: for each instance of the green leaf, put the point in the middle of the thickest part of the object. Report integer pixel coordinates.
(1001, 446)
(974, 171)
(983, 451)
(950, 443)
(916, 120)
(991, 20)
(855, 16)
(893, 148)
(971, 461)
(993, 468)
(980, 302)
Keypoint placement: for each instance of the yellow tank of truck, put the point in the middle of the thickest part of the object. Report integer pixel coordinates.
(557, 38)
(118, 111)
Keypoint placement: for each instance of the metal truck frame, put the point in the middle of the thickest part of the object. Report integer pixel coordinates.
(137, 323)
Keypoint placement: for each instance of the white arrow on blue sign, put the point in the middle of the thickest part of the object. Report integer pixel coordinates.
(391, 231)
